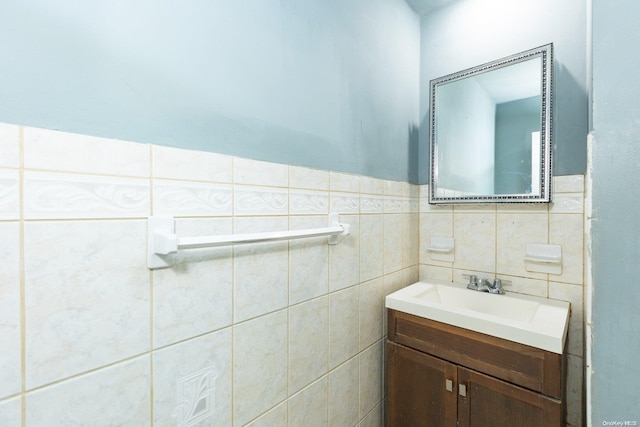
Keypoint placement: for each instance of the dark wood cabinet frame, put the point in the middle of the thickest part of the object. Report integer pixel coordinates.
(502, 381)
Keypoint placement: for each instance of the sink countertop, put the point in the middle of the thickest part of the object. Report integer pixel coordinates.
(534, 321)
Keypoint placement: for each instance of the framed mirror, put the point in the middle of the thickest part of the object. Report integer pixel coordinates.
(490, 135)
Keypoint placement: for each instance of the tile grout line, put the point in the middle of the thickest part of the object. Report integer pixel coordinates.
(23, 305)
(151, 300)
(288, 355)
(232, 326)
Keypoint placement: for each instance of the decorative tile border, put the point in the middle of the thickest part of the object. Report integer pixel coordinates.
(260, 201)
(180, 198)
(395, 205)
(65, 196)
(308, 202)
(371, 204)
(346, 203)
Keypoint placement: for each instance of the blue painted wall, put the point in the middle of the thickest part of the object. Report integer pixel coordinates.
(616, 212)
(469, 33)
(330, 84)
(515, 121)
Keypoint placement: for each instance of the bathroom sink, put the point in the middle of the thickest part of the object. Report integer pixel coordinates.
(533, 321)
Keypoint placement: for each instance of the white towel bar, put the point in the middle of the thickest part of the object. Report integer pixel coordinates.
(163, 243)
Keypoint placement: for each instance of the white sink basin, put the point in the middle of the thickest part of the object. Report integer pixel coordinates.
(537, 322)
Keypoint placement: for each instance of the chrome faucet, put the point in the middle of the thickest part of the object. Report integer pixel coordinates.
(483, 285)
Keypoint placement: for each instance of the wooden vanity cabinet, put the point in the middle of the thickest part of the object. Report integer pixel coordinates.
(442, 375)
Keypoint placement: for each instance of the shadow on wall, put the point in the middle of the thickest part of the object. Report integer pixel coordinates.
(424, 168)
(415, 159)
(569, 150)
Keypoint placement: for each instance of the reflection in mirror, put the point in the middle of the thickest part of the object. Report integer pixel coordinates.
(490, 137)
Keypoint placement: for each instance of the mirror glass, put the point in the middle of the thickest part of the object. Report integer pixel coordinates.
(490, 138)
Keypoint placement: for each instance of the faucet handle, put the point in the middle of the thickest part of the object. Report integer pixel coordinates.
(473, 282)
(497, 286)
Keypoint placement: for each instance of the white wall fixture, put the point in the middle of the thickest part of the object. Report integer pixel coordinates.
(163, 243)
(441, 248)
(543, 258)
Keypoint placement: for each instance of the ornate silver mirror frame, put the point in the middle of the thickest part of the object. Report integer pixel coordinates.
(456, 137)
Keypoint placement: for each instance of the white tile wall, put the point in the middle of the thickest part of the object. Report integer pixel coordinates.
(260, 365)
(312, 179)
(309, 407)
(490, 240)
(393, 242)
(260, 271)
(61, 151)
(192, 381)
(10, 362)
(71, 196)
(273, 334)
(371, 304)
(9, 194)
(187, 198)
(276, 417)
(371, 372)
(11, 411)
(308, 342)
(344, 259)
(344, 318)
(343, 385)
(254, 201)
(87, 296)
(10, 146)
(116, 395)
(253, 172)
(177, 164)
(373, 418)
(188, 300)
(371, 246)
(308, 261)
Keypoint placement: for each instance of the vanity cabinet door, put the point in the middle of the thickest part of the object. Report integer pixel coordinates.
(421, 389)
(486, 401)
